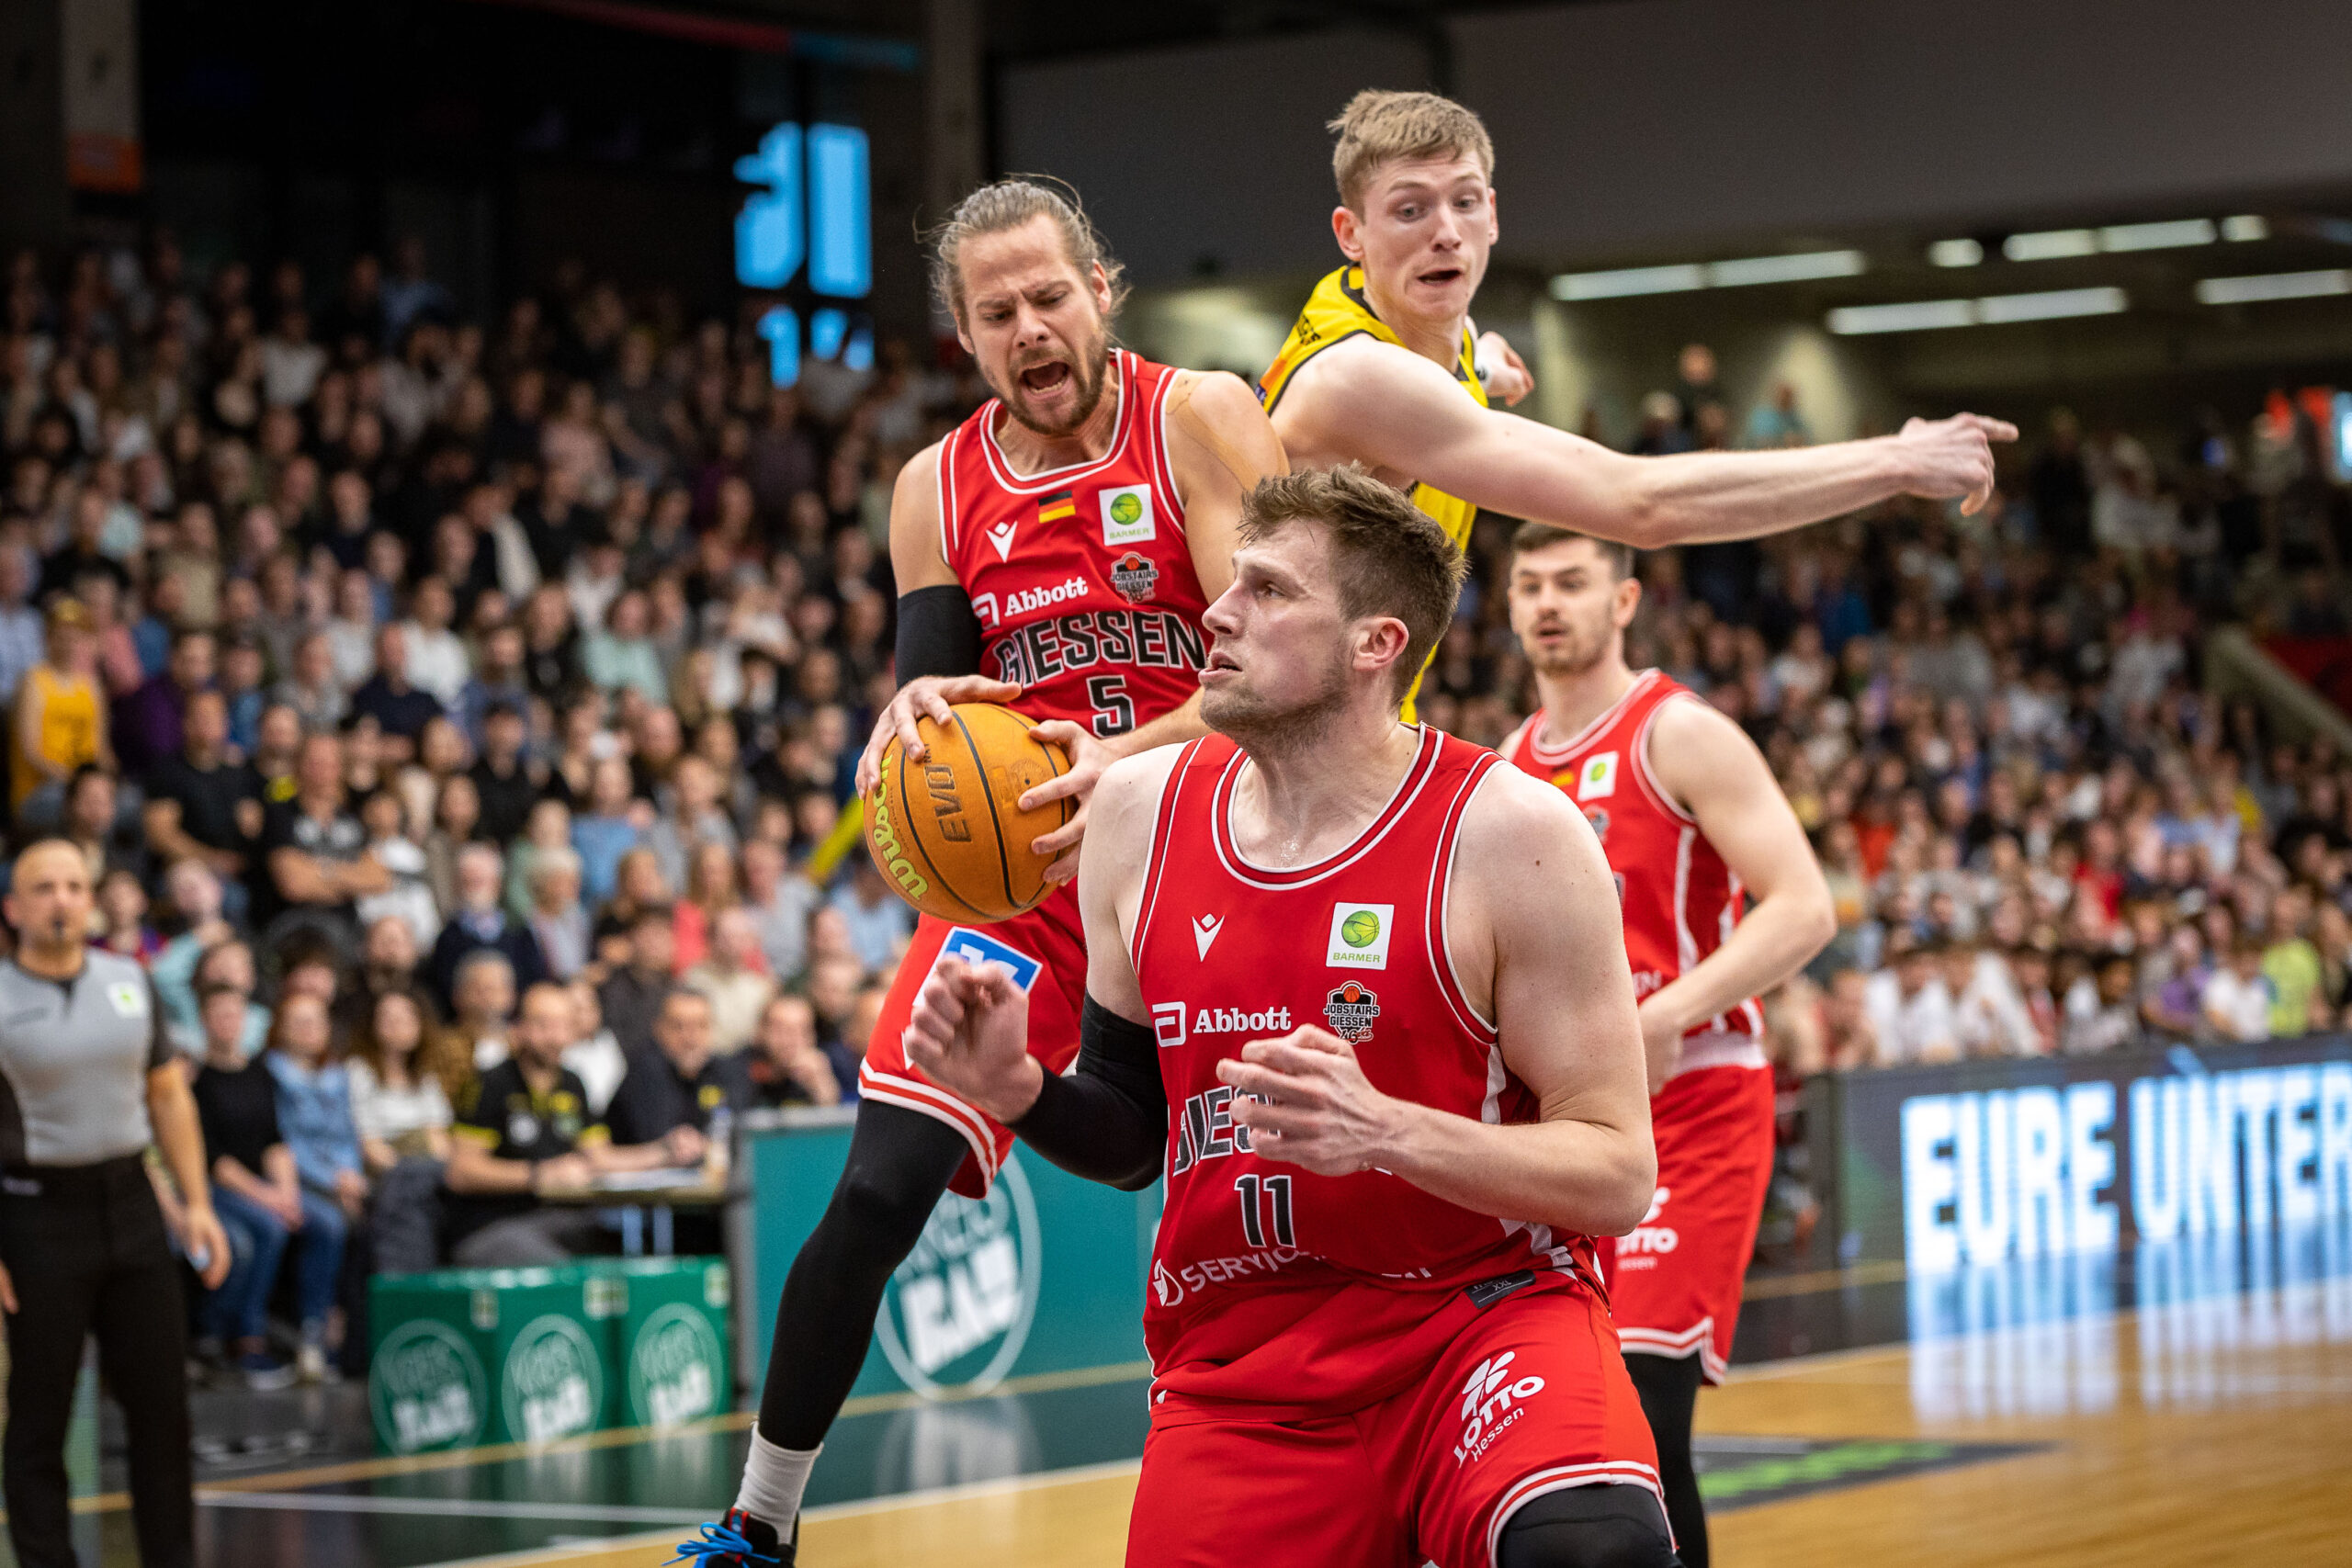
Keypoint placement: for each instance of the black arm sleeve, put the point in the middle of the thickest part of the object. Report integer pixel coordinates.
(938, 633)
(1108, 1120)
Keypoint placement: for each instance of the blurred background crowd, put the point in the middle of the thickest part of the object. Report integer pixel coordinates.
(429, 692)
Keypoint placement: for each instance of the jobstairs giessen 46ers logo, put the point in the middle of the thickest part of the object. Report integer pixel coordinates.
(957, 1311)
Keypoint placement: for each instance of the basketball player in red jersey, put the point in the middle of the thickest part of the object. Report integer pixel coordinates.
(1056, 550)
(1354, 986)
(1693, 824)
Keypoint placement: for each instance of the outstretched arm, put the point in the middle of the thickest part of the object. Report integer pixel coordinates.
(1402, 415)
(1709, 764)
(1534, 926)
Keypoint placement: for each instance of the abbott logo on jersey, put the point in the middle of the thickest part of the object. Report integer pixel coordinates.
(1360, 935)
(957, 1311)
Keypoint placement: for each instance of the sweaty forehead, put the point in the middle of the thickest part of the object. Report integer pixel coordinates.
(1443, 172)
(1015, 260)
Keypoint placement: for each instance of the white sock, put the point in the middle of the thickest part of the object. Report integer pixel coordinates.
(773, 1478)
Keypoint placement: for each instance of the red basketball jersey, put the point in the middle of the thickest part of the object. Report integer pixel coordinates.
(1679, 900)
(1270, 1284)
(1080, 576)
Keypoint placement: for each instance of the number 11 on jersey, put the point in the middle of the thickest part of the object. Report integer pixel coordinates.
(1276, 1197)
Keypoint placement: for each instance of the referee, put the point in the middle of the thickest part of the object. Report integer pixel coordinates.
(87, 1080)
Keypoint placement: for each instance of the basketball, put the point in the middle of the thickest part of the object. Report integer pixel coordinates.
(949, 832)
(1360, 929)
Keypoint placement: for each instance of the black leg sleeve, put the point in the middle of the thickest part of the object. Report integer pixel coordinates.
(1588, 1527)
(1668, 1386)
(899, 1162)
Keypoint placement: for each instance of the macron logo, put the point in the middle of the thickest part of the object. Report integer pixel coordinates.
(1002, 538)
(1205, 929)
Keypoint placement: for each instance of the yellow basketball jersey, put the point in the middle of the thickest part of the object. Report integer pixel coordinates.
(1336, 312)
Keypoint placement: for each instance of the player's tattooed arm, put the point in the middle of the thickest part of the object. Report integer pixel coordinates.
(1714, 771)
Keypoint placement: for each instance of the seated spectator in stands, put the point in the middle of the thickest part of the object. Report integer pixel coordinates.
(734, 978)
(399, 709)
(2112, 1021)
(484, 991)
(783, 1066)
(21, 633)
(479, 923)
(194, 895)
(506, 780)
(678, 1083)
(620, 656)
(880, 922)
(557, 922)
(59, 723)
(149, 724)
(311, 688)
(313, 851)
(693, 818)
(122, 905)
(779, 903)
(200, 804)
(608, 828)
(593, 1053)
(632, 993)
(454, 808)
(857, 1031)
(388, 957)
(2237, 999)
(255, 1191)
(94, 822)
(410, 898)
(2172, 1009)
(638, 891)
(525, 1128)
(241, 675)
(710, 891)
(545, 830)
(400, 1069)
(2290, 962)
(1911, 1010)
(314, 1117)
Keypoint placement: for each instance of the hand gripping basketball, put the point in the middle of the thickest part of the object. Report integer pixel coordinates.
(968, 1033)
(944, 818)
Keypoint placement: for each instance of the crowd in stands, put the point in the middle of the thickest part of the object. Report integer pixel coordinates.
(458, 717)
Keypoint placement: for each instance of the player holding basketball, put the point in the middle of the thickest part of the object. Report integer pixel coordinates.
(1692, 822)
(1056, 548)
(1383, 368)
(1356, 987)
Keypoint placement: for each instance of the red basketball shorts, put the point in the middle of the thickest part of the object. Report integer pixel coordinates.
(1531, 1397)
(1045, 951)
(1674, 1283)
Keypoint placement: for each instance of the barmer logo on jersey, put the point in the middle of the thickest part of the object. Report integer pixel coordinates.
(1489, 1403)
(1598, 778)
(1023, 600)
(1349, 1010)
(1135, 577)
(957, 1311)
(1127, 516)
(1360, 935)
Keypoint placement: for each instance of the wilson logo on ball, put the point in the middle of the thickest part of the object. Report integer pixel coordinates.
(951, 832)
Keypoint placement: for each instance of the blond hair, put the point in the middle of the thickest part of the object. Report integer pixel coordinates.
(1379, 126)
(1010, 203)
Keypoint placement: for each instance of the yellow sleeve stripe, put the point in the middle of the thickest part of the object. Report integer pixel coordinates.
(481, 1138)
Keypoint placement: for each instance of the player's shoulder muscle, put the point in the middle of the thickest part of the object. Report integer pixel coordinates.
(1126, 799)
(1215, 418)
(1526, 853)
(1695, 749)
(917, 549)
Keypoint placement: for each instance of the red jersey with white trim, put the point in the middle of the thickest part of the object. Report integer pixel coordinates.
(1270, 1284)
(1679, 901)
(1080, 576)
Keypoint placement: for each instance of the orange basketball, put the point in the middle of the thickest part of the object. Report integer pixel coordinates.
(949, 832)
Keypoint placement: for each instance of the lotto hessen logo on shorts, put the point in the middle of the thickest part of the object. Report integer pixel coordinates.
(1598, 777)
(957, 1311)
(1135, 577)
(1349, 1010)
(1360, 935)
(1127, 516)
(426, 1389)
(676, 1367)
(553, 1384)
(1491, 1401)
(1648, 1241)
(1021, 601)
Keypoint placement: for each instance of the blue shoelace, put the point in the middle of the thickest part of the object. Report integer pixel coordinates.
(718, 1540)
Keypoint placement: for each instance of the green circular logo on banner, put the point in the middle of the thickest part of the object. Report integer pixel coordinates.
(675, 1368)
(554, 1382)
(957, 1311)
(1125, 509)
(426, 1389)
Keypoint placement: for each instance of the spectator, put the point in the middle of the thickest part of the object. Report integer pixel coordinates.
(694, 818)
(677, 1084)
(400, 708)
(23, 638)
(593, 1053)
(122, 905)
(437, 662)
(734, 979)
(59, 715)
(255, 1191)
(2292, 964)
(314, 1112)
(880, 923)
(779, 903)
(400, 1069)
(557, 922)
(506, 782)
(621, 657)
(632, 996)
(611, 826)
(311, 688)
(784, 1065)
(484, 994)
(2237, 1001)
(150, 724)
(314, 853)
(710, 892)
(525, 1129)
(410, 898)
(479, 923)
(201, 805)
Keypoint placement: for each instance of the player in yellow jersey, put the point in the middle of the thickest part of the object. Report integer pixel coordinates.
(1382, 368)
